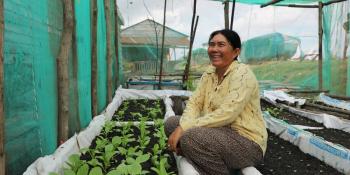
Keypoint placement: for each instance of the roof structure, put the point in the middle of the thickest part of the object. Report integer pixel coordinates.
(280, 2)
(146, 33)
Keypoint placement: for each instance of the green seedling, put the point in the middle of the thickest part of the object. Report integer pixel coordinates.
(106, 156)
(161, 168)
(143, 139)
(274, 111)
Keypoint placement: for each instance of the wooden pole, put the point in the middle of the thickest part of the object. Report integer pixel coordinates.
(75, 77)
(94, 101)
(62, 71)
(187, 67)
(270, 3)
(226, 12)
(107, 7)
(2, 116)
(320, 37)
(116, 44)
(232, 13)
(162, 50)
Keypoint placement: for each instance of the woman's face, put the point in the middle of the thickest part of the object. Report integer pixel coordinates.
(220, 51)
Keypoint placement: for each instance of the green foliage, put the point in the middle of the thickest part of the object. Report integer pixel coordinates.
(96, 171)
(161, 168)
(274, 111)
(74, 163)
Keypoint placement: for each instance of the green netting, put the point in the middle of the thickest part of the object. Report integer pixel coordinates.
(278, 51)
(273, 46)
(101, 57)
(83, 39)
(33, 31)
(31, 43)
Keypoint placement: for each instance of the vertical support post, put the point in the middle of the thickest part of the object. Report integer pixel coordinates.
(188, 64)
(232, 13)
(116, 44)
(2, 116)
(107, 4)
(226, 12)
(162, 50)
(62, 71)
(320, 41)
(94, 57)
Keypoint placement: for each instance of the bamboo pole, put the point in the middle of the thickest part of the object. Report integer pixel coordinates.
(62, 71)
(187, 67)
(2, 116)
(107, 7)
(75, 76)
(226, 16)
(340, 97)
(320, 54)
(270, 3)
(116, 44)
(94, 77)
(232, 13)
(162, 50)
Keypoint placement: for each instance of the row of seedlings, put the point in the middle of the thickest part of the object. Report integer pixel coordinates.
(283, 152)
(132, 143)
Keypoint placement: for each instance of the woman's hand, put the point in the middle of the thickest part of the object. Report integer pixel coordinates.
(174, 139)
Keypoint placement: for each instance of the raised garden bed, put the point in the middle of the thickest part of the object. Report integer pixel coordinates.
(125, 148)
(283, 158)
(134, 110)
(332, 135)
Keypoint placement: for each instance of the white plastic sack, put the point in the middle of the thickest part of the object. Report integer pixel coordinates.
(274, 95)
(334, 102)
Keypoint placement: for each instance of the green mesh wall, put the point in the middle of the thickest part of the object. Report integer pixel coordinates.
(32, 32)
(101, 57)
(83, 40)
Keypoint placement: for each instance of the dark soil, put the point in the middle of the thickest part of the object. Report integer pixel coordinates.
(117, 158)
(283, 158)
(332, 135)
(320, 110)
(310, 97)
(132, 110)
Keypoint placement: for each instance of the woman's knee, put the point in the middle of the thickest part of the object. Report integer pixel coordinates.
(170, 124)
(192, 137)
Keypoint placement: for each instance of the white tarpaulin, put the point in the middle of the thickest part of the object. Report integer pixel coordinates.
(275, 95)
(332, 154)
(334, 102)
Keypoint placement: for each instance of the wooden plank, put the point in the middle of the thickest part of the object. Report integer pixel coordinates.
(2, 116)
(62, 71)
(107, 4)
(94, 101)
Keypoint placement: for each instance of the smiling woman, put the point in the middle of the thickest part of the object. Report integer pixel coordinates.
(222, 128)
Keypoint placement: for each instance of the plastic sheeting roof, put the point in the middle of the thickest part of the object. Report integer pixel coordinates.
(285, 2)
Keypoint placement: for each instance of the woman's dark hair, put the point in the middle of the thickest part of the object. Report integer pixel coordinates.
(231, 36)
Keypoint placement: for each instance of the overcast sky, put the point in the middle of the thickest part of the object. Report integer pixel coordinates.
(250, 20)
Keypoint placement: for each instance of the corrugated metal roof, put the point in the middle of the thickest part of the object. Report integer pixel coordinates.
(144, 33)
